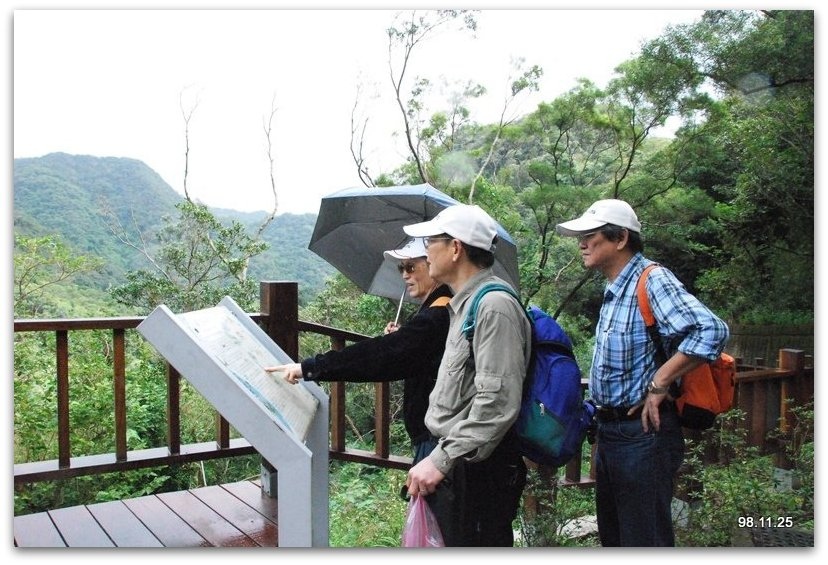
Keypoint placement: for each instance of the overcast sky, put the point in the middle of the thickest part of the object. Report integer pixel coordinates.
(113, 83)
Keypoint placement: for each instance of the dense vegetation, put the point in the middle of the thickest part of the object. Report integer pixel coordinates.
(728, 204)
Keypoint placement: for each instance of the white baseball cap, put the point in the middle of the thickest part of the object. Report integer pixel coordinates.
(601, 213)
(411, 250)
(467, 222)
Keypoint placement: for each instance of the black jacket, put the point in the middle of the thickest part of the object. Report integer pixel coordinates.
(413, 353)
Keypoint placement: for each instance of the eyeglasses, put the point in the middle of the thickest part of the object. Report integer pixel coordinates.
(428, 240)
(407, 267)
(587, 236)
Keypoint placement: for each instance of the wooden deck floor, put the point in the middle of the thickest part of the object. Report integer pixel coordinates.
(231, 515)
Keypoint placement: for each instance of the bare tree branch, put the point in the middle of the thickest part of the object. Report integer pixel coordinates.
(409, 38)
(412, 32)
(121, 234)
(358, 141)
(268, 130)
(187, 115)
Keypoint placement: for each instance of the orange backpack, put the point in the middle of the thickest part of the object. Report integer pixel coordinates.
(704, 392)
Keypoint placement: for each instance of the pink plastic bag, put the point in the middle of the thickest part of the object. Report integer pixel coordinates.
(421, 529)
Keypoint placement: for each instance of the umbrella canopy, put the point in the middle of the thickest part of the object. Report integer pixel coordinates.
(355, 225)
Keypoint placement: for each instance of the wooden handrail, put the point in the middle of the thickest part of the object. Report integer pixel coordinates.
(757, 388)
(66, 324)
(762, 394)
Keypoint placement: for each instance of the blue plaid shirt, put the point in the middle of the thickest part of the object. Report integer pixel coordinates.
(623, 362)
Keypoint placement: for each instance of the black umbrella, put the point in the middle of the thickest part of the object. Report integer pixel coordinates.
(356, 225)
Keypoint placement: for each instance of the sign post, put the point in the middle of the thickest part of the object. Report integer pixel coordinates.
(222, 353)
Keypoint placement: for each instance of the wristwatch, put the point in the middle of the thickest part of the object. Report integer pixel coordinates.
(653, 389)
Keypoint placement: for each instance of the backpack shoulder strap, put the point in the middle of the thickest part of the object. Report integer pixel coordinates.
(441, 301)
(471, 315)
(647, 312)
(643, 299)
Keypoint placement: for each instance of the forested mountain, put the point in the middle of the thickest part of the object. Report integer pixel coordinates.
(81, 197)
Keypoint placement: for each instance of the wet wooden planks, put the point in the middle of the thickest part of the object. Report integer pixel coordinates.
(231, 515)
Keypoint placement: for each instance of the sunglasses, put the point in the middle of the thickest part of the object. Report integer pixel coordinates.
(407, 268)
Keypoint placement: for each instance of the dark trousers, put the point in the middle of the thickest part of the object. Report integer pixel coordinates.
(476, 503)
(635, 478)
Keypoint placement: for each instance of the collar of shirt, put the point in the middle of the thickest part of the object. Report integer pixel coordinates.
(459, 300)
(631, 271)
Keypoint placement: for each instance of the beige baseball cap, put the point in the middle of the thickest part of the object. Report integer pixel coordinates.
(467, 222)
(601, 213)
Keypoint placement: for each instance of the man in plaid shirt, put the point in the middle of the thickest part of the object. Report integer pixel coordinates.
(640, 445)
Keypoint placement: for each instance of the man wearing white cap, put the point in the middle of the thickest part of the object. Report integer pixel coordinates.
(639, 440)
(411, 351)
(474, 477)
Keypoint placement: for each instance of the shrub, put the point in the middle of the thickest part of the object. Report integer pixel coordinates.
(730, 485)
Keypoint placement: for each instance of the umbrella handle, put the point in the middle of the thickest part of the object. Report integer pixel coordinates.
(399, 308)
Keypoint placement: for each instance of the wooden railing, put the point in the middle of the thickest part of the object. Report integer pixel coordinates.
(761, 392)
(278, 317)
(66, 465)
(768, 395)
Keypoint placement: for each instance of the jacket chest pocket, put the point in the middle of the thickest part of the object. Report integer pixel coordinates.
(454, 386)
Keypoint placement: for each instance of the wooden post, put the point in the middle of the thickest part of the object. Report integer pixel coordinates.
(572, 473)
(279, 304)
(62, 364)
(119, 393)
(337, 406)
(757, 414)
(173, 410)
(222, 432)
(791, 360)
(382, 419)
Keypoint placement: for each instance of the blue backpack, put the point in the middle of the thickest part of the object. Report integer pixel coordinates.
(554, 417)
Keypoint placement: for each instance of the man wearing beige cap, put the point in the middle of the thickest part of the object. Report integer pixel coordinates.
(474, 477)
(639, 441)
(410, 352)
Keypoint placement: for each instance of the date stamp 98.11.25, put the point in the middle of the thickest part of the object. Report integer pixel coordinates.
(765, 522)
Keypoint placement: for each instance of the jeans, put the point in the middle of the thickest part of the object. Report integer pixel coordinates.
(635, 478)
(423, 448)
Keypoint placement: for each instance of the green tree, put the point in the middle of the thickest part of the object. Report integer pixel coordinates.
(562, 151)
(754, 151)
(40, 263)
(199, 261)
(728, 203)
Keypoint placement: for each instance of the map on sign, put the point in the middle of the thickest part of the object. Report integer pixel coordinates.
(244, 358)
